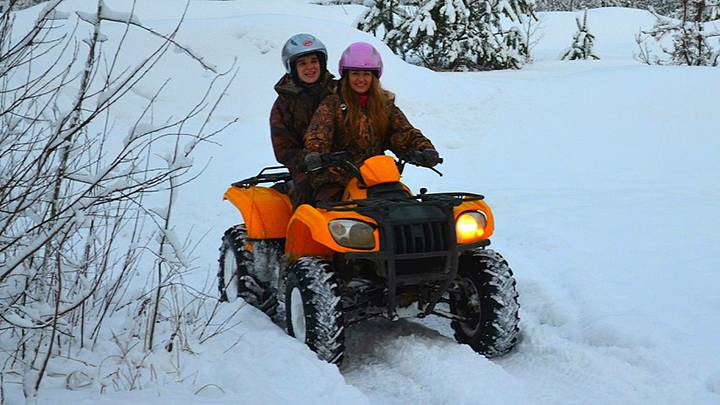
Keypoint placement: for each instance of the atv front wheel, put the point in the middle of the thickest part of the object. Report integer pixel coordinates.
(237, 273)
(485, 298)
(313, 311)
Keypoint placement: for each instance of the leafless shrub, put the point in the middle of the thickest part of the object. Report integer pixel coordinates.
(683, 41)
(74, 229)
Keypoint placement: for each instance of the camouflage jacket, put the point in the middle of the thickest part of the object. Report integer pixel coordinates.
(327, 134)
(291, 114)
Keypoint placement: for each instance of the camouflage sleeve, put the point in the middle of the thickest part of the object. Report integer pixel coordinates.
(286, 145)
(320, 132)
(403, 136)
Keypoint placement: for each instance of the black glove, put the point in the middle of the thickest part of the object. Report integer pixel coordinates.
(313, 161)
(426, 157)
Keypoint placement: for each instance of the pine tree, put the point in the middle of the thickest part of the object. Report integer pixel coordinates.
(452, 34)
(691, 43)
(379, 18)
(583, 42)
(435, 35)
(496, 47)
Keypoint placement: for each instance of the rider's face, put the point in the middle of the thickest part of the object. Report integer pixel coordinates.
(360, 80)
(308, 68)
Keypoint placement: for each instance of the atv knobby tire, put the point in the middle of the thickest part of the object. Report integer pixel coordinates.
(313, 309)
(236, 276)
(485, 295)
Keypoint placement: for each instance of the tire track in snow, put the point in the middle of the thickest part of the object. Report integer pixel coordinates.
(405, 362)
(561, 359)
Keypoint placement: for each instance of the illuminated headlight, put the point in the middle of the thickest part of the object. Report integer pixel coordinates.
(470, 226)
(351, 233)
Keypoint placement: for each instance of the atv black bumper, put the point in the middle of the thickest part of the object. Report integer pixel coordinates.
(415, 269)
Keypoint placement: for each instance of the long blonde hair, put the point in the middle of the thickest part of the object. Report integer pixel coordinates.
(376, 107)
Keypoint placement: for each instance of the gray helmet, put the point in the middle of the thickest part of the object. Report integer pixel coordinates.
(299, 45)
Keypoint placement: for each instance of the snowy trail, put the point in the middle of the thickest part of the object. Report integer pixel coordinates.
(407, 362)
(606, 211)
(574, 349)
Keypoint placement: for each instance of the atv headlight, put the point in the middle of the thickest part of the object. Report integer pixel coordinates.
(470, 226)
(352, 233)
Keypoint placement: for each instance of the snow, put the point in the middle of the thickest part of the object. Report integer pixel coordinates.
(177, 247)
(603, 177)
(112, 15)
(15, 319)
(89, 18)
(137, 131)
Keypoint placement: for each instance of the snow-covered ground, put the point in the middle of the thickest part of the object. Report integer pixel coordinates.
(605, 183)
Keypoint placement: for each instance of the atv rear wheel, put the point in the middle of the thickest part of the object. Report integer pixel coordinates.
(237, 273)
(313, 309)
(484, 295)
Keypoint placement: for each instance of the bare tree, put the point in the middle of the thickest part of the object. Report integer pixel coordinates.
(691, 40)
(664, 7)
(73, 224)
(20, 4)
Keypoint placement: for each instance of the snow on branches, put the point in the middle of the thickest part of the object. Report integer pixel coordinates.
(453, 34)
(380, 17)
(73, 225)
(689, 40)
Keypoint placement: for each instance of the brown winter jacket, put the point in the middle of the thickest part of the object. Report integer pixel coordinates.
(289, 118)
(327, 134)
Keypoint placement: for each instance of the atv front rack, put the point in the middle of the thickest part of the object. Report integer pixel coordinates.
(381, 204)
(265, 177)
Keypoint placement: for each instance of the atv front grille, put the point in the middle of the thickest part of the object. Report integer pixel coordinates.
(421, 238)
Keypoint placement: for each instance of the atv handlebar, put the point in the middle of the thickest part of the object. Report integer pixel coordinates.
(421, 158)
(424, 158)
(276, 174)
(315, 161)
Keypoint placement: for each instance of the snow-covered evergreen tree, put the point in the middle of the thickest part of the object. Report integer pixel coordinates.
(379, 18)
(583, 42)
(495, 46)
(453, 34)
(435, 35)
(692, 43)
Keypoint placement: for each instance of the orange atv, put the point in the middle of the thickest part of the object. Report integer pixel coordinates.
(380, 252)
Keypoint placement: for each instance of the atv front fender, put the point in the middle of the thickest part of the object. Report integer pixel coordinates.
(266, 211)
(308, 233)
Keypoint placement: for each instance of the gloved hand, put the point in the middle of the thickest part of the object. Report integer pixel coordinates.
(313, 161)
(426, 157)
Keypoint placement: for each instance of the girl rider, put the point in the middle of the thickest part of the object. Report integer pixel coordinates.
(361, 119)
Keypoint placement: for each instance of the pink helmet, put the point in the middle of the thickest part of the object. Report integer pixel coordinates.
(361, 56)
